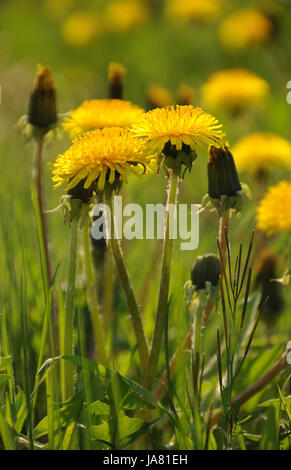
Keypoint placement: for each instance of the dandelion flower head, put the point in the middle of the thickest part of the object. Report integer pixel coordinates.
(178, 125)
(274, 210)
(234, 90)
(97, 114)
(101, 156)
(262, 151)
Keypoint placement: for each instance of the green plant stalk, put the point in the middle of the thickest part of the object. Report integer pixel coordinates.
(67, 367)
(107, 309)
(223, 227)
(129, 294)
(92, 297)
(38, 178)
(164, 286)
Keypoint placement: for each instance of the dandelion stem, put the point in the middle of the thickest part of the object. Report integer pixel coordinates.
(92, 297)
(67, 366)
(223, 232)
(164, 286)
(132, 304)
(38, 178)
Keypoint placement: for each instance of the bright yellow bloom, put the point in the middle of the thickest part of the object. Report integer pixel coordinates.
(193, 9)
(100, 155)
(274, 211)
(81, 28)
(234, 89)
(159, 96)
(262, 152)
(245, 27)
(97, 114)
(124, 15)
(178, 125)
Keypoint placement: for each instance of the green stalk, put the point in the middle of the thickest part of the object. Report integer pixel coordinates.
(38, 178)
(129, 294)
(223, 232)
(164, 286)
(67, 366)
(92, 298)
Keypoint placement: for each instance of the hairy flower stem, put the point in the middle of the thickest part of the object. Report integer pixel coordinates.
(67, 347)
(223, 233)
(164, 286)
(38, 178)
(132, 304)
(92, 297)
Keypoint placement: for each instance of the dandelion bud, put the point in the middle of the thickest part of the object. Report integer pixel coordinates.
(42, 106)
(224, 187)
(116, 74)
(205, 269)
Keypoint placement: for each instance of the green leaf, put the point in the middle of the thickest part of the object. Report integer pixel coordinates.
(3, 379)
(99, 408)
(270, 434)
(145, 428)
(6, 433)
(5, 362)
(67, 415)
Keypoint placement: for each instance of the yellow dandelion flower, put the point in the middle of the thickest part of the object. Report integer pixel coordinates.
(262, 152)
(97, 114)
(100, 156)
(81, 28)
(124, 15)
(274, 210)
(245, 27)
(234, 89)
(178, 125)
(193, 9)
(159, 96)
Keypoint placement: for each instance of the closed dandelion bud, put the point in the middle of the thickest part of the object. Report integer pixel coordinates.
(205, 269)
(116, 74)
(224, 187)
(42, 106)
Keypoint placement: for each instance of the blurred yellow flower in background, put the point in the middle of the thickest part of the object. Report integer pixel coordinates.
(178, 125)
(232, 90)
(57, 8)
(185, 94)
(159, 96)
(193, 9)
(274, 210)
(97, 114)
(81, 28)
(262, 152)
(245, 27)
(100, 155)
(124, 15)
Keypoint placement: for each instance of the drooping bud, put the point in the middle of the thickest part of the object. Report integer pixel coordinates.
(42, 106)
(116, 74)
(224, 187)
(205, 269)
